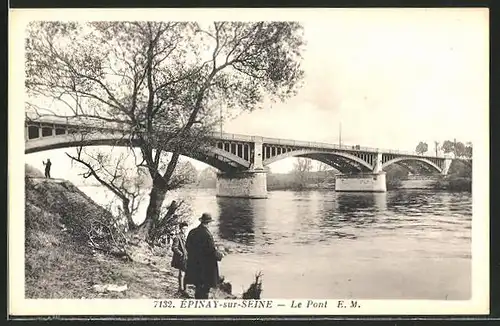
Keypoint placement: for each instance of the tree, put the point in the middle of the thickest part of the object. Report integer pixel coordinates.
(302, 167)
(186, 173)
(162, 82)
(126, 182)
(468, 150)
(396, 173)
(448, 146)
(459, 149)
(323, 167)
(436, 147)
(207, 178)
(111, 172)
(422, 148)
(324, 172)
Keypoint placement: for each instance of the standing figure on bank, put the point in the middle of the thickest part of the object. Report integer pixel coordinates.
(202, 266)
(180, 256)
(47, 168)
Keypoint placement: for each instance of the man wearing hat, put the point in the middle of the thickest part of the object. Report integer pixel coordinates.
(202, 267)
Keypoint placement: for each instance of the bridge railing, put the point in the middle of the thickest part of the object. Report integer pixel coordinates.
(234, 137)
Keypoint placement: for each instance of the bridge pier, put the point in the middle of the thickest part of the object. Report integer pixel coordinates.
(365, 182)
(247, 184)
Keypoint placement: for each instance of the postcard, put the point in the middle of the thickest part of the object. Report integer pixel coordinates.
(270, 162)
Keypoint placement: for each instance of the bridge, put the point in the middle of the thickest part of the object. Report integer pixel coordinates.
(242, 159)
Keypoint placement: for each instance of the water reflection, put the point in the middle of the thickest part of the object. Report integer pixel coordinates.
(380, 200)
(338, 217)
(301, 195)
(236, 220)
(306, 210)
(413, 203)
(457, 202)
(351, 203)
(359, 209)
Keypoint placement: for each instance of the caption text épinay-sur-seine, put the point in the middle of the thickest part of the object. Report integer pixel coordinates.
(259, 304)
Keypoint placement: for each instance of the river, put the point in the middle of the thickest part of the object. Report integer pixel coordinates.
(410, 244)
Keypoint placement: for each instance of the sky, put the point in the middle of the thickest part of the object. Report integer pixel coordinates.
(389, 78)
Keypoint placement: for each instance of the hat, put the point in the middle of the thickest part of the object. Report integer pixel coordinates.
(182, 224)
(205, 217)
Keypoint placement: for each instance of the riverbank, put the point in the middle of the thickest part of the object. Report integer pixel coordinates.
(323, 181)
(328, 186)
(451, 184)
(59, 263)
(454, 183)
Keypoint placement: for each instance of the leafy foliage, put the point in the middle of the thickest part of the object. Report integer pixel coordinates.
(162, 82)
(300, 170)
(468, 150)
(422, 148)
(458, 148)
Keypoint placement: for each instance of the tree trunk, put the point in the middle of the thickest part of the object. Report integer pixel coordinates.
(156, 198)
(161, 227)
(128, 215)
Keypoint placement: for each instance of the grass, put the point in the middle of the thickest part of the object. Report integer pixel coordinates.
(65, 271)
(60, 264)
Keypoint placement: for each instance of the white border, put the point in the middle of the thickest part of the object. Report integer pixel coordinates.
(18, 305)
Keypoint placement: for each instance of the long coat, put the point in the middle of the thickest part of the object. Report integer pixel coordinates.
(179, 258)
(202, 266)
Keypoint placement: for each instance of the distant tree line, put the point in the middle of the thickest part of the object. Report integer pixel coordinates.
(207, 178)
(459, 149)
(301, 177)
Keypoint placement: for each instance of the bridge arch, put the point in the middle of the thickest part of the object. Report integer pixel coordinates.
(330, 160)
(309, 152)
(420, 159)
(212, 155)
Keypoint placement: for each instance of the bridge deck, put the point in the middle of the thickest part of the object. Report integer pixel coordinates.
(69, 122)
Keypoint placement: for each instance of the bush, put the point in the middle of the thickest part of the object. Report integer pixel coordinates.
(460, 184)
(50, 205)
(255, 289)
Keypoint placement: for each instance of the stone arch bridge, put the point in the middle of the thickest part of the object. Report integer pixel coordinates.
(242, 158)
